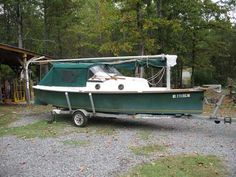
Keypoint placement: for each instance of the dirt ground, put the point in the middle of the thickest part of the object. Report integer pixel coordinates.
(227, 108)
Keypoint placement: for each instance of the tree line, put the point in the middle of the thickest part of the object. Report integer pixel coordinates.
(200, 32)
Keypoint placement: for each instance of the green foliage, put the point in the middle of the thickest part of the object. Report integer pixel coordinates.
(204, 76)
(179, 166)
(6, 72)
(199, 32)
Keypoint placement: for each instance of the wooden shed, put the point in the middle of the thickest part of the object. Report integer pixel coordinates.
(16, 58)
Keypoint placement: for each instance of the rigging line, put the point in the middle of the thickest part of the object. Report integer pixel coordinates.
(156, 75)
(161, 77)
(155, 84)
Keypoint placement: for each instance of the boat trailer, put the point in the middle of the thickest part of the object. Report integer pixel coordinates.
(80, 116)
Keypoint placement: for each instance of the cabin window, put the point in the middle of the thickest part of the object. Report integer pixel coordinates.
(69, 77)
(91, 74)
(103, 71)
(111, 70)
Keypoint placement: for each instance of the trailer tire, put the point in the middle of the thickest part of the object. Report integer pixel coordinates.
(79, 119)
(217, 121)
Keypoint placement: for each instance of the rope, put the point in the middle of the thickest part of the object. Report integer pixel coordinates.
(156, 75)
(161, 72)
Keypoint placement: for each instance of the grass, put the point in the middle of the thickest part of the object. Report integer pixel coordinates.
(62, 126)
(76, 143)
(103, 130)
(144, 134)
(146, 150)
(42, 129)
(34, 109)
(39, 129)
(7, 115)
(181, 166)
(6, 119)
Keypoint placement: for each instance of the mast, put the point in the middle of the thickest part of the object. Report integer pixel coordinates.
(141, 57)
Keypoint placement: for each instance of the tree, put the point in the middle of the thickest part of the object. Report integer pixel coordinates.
(198, 31)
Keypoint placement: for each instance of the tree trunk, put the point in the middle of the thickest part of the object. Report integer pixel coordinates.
(181, 75)
(19, 24)
(149, 12)
(140, 70)
(99, 20)
(45, 15)
(159, 4)
(193, 58)
(60, 50)
(140, 28)
(7, 25)
(159, 8)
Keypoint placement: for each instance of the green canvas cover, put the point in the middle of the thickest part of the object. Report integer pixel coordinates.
(132, 64)
(67, 74)
(141, 63)
(76, 74)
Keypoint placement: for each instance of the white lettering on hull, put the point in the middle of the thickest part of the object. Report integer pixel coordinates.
(183, 95)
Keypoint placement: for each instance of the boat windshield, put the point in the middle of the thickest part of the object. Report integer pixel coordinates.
(104, 70)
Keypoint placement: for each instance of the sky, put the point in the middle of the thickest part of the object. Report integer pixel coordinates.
(232, 13)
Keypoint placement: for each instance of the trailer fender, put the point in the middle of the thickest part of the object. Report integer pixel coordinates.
(83, 111)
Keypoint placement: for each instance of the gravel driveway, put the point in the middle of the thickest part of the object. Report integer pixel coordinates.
(110, 155)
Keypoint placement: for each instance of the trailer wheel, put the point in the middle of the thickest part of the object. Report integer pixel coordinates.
(79, 119)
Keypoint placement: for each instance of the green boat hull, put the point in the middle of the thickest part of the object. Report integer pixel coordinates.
(127, 103)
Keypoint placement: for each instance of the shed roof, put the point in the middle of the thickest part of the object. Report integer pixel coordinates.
(13, 56)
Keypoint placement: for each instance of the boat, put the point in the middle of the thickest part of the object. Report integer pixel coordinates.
(97, 86)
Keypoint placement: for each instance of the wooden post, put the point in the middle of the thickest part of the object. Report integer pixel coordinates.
(19, 24)
(27, 86)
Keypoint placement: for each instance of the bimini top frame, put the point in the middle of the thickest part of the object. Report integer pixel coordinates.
(171, 59)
